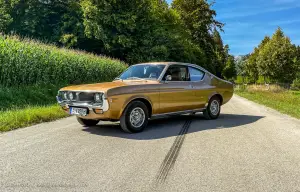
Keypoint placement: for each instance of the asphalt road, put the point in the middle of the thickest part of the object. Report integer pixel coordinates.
(249, 148)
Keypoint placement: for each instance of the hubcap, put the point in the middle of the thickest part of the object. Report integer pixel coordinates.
(214, 107)
(137, 117)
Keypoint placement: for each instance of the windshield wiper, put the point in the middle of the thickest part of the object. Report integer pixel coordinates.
(118, 79)
(135, 78)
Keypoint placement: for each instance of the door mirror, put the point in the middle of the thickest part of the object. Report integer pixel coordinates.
(168, 78)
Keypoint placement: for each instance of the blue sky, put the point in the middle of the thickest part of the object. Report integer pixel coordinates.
(248, 21)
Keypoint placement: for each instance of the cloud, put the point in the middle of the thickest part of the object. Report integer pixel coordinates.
(254, 11)
(285, 1)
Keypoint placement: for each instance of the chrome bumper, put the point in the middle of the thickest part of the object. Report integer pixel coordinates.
(91, 106)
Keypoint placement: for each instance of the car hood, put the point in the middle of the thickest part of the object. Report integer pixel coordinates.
(107, 85)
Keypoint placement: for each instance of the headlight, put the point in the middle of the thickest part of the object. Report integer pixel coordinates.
(71, 96)
(65, 96)
(98, 97)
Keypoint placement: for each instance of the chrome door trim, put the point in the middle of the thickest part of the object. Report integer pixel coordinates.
(178, 112)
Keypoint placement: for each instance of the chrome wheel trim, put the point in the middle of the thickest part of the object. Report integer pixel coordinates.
(137, 117)
(214, 107)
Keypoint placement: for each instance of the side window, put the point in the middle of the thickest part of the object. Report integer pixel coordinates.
(196, 74)
(178, 73)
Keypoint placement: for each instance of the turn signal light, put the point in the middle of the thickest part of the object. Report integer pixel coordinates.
(98, 111)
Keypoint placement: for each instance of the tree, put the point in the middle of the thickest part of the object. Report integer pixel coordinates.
(5, 18)
(278, 58)
(54, 21)
(220, 51)
(240, 64)
(229, 70)
(251, 66)
(199, 19)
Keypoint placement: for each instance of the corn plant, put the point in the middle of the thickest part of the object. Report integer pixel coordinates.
(28, 62)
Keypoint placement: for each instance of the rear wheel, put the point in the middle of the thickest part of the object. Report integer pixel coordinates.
(135, 117)
(213, 109)
(87, 122)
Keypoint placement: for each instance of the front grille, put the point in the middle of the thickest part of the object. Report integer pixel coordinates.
(83, 96)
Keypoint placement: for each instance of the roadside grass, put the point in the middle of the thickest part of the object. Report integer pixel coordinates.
(17, 118)
(287, 102)
(29, 105)
(21, 97)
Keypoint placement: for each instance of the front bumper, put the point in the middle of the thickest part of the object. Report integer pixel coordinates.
(96, 111)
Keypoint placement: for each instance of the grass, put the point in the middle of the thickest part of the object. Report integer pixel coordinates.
(25, 106)
(13, 119)
(34, 65)
(287, 102)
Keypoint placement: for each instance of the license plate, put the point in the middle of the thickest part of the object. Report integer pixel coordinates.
(78, 111)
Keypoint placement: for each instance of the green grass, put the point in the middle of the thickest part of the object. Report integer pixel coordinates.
(25, 106)
(27, 67)
(287, 102)
(13, 119)
(21, 97)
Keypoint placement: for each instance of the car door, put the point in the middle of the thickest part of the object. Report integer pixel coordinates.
(178, 93)
(200, 86)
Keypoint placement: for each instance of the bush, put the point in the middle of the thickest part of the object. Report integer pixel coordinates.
(296, 84)
(27, 62)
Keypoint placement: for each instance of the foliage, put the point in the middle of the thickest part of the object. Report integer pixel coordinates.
(229, 70)
(251, 66)
(296, 84)
(275, 59)
(25, 62)
(132, 31)
(240, 64)
(278, 58)
(198, 20)
(27, 105)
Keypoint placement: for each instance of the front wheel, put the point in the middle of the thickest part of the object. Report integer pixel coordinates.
(87, 122)
(213, 109)
(135, 117)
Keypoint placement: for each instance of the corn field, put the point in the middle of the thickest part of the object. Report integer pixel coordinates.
(28, 62)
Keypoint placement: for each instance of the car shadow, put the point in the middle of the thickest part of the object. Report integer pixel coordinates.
(170, 126)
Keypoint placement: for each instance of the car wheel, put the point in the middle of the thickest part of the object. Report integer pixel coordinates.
(87, 122)
(213, 109)
(135, 117)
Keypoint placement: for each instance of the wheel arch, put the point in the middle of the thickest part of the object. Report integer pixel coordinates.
(145, 100)
(215, 95)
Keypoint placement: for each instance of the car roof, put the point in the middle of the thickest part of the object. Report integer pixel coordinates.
(185, 64)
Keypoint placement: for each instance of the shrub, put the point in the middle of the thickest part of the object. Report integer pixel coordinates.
(296, 84)
(27, 62)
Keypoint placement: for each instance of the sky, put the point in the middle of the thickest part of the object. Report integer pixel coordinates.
(248, 21)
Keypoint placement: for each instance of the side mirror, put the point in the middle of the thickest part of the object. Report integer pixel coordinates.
(168, 78)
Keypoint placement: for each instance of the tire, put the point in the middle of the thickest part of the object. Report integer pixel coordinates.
(213, 108)
(87, 122)
(135, 117)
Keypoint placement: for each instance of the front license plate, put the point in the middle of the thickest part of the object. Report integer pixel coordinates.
(78, 111)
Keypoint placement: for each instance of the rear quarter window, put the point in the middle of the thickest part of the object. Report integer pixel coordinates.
(196, 74)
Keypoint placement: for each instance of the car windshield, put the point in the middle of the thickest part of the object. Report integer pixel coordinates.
(144, 71)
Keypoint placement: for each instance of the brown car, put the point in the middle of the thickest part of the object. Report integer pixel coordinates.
(145, 91)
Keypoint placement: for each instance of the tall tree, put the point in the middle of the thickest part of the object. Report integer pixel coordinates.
(220, 51)
(199, 20)
(41, 19)
(229, 70)
(278, 58)
(251, 66)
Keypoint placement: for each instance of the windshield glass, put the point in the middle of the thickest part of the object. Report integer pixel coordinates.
(145, 71)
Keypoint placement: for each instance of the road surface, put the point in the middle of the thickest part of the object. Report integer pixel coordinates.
(249, 148)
